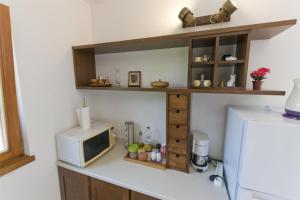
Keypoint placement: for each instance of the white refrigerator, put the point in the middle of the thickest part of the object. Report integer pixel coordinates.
(261, 155)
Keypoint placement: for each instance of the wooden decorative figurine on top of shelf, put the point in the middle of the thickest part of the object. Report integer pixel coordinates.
(134, 78)
(257, 76)
(231, 82)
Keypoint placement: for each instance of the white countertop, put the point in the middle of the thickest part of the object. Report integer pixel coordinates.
(162, 184)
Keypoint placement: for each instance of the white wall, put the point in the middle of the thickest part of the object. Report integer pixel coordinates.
(119, 20)
(44, 32)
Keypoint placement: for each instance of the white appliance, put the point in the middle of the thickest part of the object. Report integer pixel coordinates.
(261, 155)
(292, 105)
(200, 151)
(81, 147)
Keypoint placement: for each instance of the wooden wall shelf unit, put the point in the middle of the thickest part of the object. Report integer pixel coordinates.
(235, 41)
(84, 55)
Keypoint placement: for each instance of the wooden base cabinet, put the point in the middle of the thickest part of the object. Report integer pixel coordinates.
(105, 191)
(76, 186)
(73, 186)
(139, 196)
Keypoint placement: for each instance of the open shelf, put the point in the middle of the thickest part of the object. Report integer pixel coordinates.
(258, 32)
(190, 90)
(213, 43)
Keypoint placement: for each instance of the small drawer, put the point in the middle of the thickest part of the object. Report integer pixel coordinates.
(177, 161)
(178, 101)
(178, 116)
(178, 131)
(177, 146)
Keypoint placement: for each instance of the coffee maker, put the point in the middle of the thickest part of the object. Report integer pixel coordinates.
(199, 157)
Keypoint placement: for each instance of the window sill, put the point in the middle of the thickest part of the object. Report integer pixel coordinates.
(15, 163)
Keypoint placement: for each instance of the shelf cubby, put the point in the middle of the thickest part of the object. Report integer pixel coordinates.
(236, 44)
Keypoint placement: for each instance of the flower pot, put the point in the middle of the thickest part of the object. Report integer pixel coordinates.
(257, 85)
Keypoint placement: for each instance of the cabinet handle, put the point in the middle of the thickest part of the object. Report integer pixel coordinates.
(177, 111)
(177, 141)
(177, 126)
(178, 95)
(177, 155)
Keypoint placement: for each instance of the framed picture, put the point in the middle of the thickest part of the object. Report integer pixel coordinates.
(134, 78)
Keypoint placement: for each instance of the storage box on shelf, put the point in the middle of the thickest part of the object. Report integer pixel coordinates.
(178, 123)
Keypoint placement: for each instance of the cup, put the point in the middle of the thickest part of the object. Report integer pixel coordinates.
(205, 58)
(198, 59)
(197, 83)
(207, 83)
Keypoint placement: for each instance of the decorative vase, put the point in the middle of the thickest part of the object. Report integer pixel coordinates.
(257, 85)
(292, 105)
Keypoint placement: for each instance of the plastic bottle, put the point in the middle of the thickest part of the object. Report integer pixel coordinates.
(141, 143)
(147, 138)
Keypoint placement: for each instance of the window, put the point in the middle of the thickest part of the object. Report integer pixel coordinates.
(11, 146)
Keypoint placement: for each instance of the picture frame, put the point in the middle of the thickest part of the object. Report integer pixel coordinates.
(134, 78)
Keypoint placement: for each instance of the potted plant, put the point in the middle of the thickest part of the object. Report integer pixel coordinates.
(257, 76)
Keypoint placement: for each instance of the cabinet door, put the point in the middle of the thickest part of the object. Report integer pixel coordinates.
(139, 196)
(73, 186)
(105, 191)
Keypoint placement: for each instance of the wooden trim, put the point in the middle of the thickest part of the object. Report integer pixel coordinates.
(190, 64)
(15, 163)
(216, 57)
(13, 128)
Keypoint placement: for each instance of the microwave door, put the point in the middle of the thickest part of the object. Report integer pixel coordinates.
(95, 146)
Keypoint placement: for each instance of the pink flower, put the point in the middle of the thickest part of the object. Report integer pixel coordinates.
(260, 73)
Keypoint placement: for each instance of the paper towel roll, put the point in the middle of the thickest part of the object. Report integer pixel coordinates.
(84, 119)
(78, 111)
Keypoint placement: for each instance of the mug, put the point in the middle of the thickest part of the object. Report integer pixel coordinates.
(197, 83)
(198, 59)
(207, 83)
(205, 58)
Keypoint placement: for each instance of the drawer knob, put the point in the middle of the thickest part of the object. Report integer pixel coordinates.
(177, 111)
(178, 95)
(177, 155)
(177, 126)
(177, 141)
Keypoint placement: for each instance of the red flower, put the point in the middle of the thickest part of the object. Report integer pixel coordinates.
(260, 73)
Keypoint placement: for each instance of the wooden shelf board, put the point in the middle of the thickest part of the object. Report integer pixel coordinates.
(145, 163)
(225, 62)
(258, 32)
(122, 88)
(203, 64)
(190, 90)
(238, 91)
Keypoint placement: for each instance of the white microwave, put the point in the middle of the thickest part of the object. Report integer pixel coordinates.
(81, 147)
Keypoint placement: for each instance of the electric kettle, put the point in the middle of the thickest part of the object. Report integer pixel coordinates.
(292, 106)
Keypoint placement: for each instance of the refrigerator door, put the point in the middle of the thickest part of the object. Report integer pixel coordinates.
(271, 159)
(244, 194)
(232, 150)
